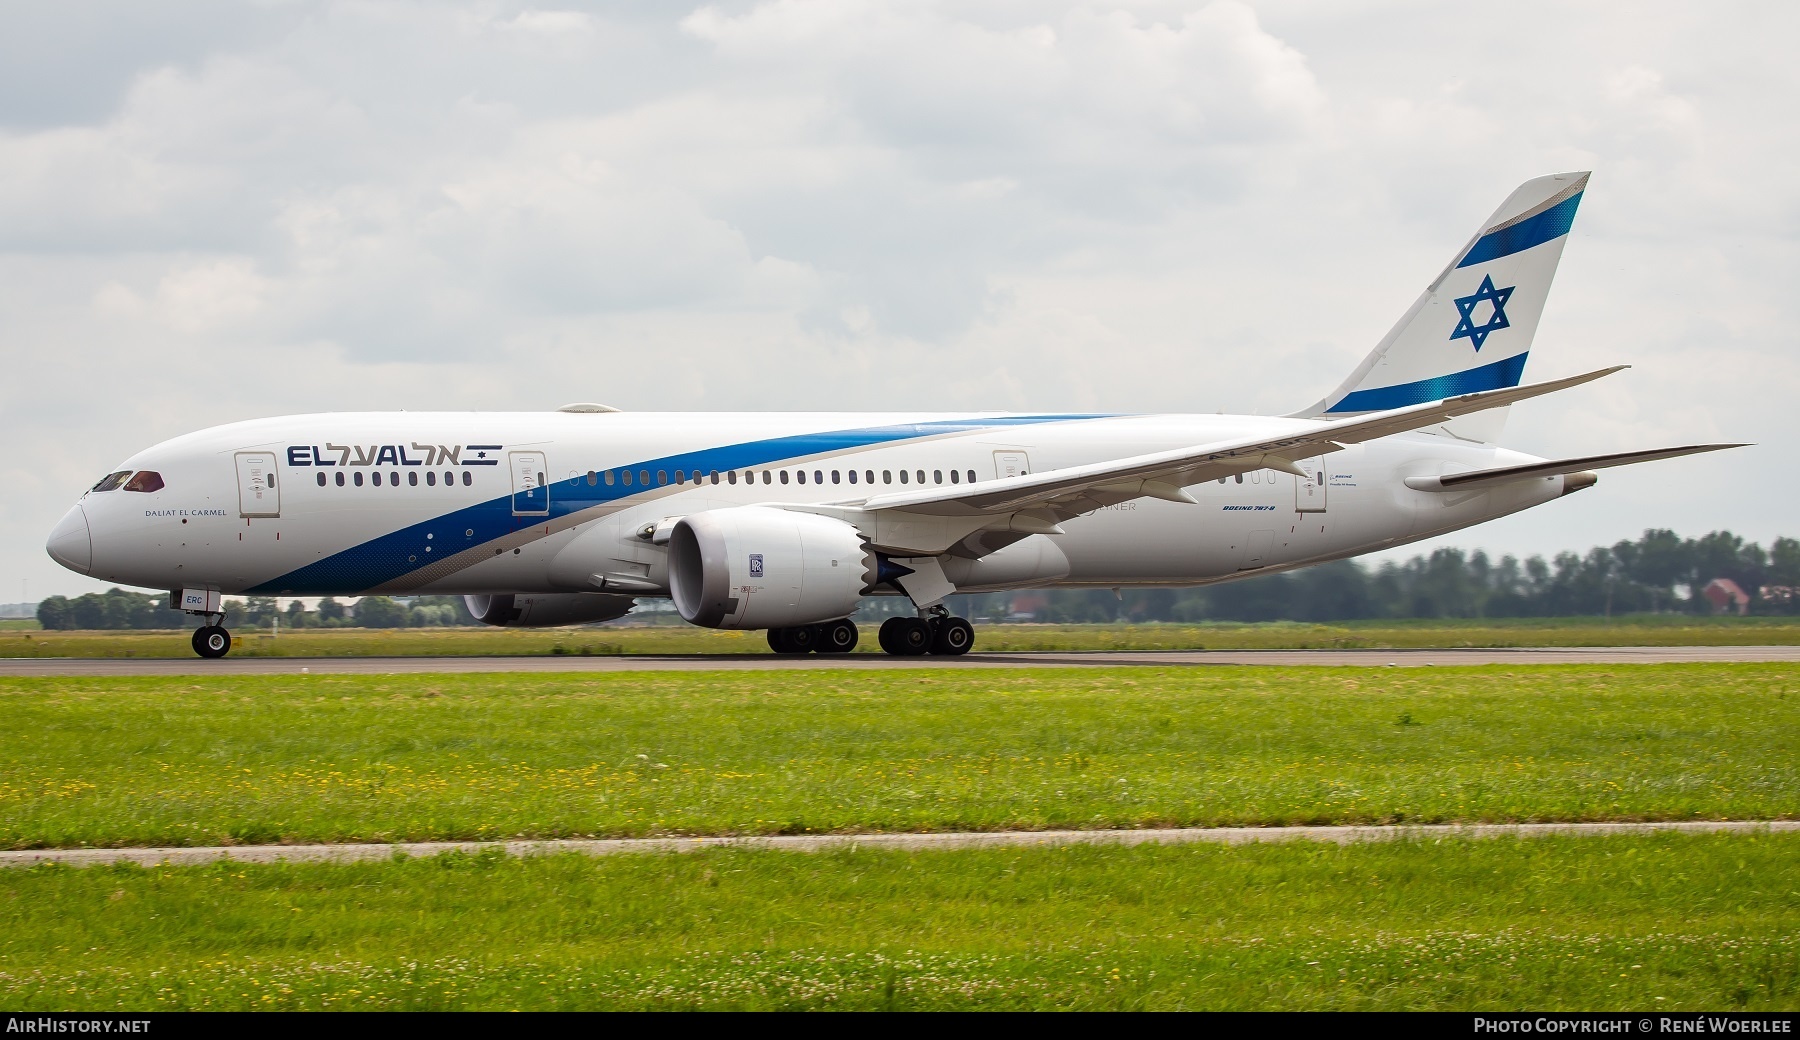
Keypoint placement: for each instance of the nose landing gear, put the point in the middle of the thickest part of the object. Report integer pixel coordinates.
(212, 640)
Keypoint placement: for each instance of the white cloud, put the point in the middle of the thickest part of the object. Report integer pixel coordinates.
(213, 295)
(1149, 206)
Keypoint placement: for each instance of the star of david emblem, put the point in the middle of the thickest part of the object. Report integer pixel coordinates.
(1465, 305)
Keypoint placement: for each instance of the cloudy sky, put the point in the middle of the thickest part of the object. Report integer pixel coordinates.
(213, 211)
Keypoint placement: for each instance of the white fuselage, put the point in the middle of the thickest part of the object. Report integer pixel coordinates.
(292, 506)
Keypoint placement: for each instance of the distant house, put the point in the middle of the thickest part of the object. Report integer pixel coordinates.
(1725, 595)
(1028, 606)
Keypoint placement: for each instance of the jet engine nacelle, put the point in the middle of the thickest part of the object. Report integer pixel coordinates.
(531, 610)
(760, 567)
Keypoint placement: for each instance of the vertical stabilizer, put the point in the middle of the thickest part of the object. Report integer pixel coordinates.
(1472, 328)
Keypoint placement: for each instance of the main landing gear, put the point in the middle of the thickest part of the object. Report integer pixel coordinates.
(212, 640)
(939, 634)
(832, 637)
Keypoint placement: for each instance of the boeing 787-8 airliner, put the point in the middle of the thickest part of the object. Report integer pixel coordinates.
(785, 521)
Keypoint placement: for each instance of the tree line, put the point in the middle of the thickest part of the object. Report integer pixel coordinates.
(120, 609)
(1660, 572)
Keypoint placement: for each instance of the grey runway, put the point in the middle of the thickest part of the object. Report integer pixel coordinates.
(150, 857)
(64, 666)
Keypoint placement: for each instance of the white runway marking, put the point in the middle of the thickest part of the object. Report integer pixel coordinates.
(905, 842)
(53, 666)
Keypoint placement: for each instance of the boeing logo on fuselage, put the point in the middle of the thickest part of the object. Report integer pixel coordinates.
(394, 455)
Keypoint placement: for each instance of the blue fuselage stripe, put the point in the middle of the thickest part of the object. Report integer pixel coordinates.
(392, 556)
(1553, 223)
(1503, 373)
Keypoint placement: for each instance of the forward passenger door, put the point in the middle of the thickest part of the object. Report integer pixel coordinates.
(258, 495)
(531, 484)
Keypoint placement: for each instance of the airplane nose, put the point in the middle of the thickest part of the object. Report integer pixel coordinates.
(69, 543)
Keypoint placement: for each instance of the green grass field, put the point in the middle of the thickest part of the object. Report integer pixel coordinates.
(199, 761)
(1664, 922)
(1657, 921)
(1649, 630)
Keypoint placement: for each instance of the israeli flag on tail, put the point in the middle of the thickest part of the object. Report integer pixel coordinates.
(1472, 328)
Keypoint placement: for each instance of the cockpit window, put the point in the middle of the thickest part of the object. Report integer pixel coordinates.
(146, 480)
(111, 481)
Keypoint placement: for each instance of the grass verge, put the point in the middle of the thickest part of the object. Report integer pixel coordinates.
(1664, 922)
(246, 759)
(1658, 630)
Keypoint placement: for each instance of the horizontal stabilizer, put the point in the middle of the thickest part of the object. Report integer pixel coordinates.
(1482, 478)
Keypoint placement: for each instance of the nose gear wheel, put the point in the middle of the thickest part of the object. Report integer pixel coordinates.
(212, 641)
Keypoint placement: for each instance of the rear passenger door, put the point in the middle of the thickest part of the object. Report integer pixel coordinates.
(1309, 491)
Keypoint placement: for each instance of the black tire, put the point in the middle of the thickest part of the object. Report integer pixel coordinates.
(801, 639)
(212, 641)
(953, 637)
(906, 636)
(838, 637)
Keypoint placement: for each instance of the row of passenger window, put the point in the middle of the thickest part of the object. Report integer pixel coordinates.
(412, 478)
(643, 476)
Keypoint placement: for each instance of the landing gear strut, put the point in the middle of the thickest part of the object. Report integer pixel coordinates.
(939, 634)
(212, 640)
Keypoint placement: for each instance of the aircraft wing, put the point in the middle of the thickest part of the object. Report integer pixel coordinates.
(1068, 491)
(1482, 478)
